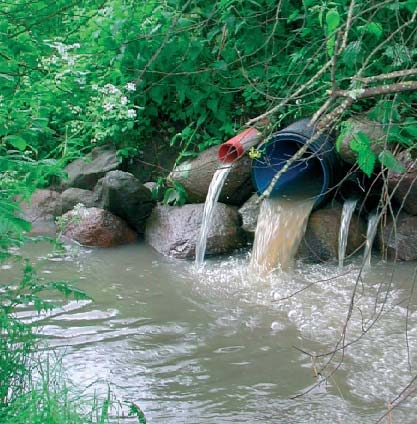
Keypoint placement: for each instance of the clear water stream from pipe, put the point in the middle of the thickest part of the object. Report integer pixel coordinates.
(370, 236)
(213, 194)
(347, 213)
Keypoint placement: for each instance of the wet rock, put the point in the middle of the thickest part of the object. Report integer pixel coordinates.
(195, 175)
(151, 185)
(398, 239)
(73, 196)
(96, 227)
(372, 129)
(84, 173)
(41, 210)
(173, 230)
(122, 194)
(249, 213)
(321, 239)
(404, 185)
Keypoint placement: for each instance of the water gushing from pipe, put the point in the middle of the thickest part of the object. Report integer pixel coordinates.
(373, 220)
(347, 213)
(213, 194)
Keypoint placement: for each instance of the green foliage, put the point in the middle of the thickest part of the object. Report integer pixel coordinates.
(387, 159)
(176, 195)
(74, 76)
(366, 156)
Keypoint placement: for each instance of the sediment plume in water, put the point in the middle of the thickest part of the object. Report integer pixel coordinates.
(213, 194)
(281, 226)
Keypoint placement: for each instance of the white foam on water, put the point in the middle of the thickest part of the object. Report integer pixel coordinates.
(316, 300)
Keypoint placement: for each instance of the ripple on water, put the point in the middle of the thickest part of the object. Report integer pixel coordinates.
(316, 300)
(217, 344)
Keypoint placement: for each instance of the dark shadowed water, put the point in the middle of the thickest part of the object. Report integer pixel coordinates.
(221, 345)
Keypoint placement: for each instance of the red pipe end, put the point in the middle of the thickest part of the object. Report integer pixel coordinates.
(235, 147)
(229, 152)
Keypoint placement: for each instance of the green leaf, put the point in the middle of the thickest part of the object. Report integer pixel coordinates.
(360, 142)
(388, 160)
(366, 161)
(293, 16)
(330, 43)
(411, 130)
(16, 141)
(352, 54)
(411, 5)
(332, 20)
(375, 29)
(220, 65)
(8, 77)
(345, 127)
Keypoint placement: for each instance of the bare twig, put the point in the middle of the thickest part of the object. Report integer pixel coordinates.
(363, 93)
(390, 75)
(348, 25)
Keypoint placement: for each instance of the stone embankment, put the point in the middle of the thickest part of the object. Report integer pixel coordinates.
(118, 207)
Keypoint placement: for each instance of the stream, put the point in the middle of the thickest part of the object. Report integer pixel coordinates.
(220, 345)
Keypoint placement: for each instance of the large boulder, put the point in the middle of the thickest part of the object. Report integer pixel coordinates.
(398, 239)
(404, 185)
(195, 175)
(321, 239)
(73, 196)
(174, 230)
(249, 213)
(84, 173)
(42, 209)
(372, 129)
(95, 227)
(122, 194)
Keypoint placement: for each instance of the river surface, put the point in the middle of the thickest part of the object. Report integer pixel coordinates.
(221, 345)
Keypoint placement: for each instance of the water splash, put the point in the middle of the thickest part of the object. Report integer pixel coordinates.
(347, 213)
(280, 228)
(213, 194)
(373, 220)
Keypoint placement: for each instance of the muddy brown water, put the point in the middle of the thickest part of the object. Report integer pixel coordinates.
(222, 345)
(281, 225)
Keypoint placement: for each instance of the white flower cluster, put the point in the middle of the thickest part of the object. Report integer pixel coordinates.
(111, 103)
(63, 63)
(114, 100)
(130, 86)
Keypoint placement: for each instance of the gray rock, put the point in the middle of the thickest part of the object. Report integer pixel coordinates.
(173, 230)
(249, 213)
(195, 175)
(122, 194)
(321, 239)
(96, 227)
(398, 240)
(73, 196)
(374, 131)
(150, 185)
(404, 185)
(84, 173)
(41, 210)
